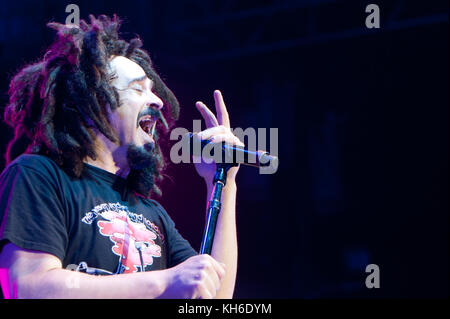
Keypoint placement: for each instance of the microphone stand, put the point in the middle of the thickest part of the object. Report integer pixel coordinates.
(214, 206)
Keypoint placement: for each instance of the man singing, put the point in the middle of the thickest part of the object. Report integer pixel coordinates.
(82, 168)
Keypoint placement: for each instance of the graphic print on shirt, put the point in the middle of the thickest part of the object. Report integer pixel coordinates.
(133, 242)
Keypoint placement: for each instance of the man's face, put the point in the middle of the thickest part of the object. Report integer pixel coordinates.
(132, 121)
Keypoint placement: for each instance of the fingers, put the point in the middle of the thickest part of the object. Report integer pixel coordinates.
(222, 114)
(213, 274)
(198, 277)
(218, 268)
(204, 293)
(221, 110)
(208, 116)
(210, 132)
(209, 277)
(227, 138)
(219, 134)
(209, 285)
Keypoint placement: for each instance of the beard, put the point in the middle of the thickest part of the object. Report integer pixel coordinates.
(145, 164)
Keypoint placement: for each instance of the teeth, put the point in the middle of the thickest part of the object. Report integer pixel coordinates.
(152, 131)
(148, 125)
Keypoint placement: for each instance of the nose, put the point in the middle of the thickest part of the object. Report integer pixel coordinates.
(154, 101)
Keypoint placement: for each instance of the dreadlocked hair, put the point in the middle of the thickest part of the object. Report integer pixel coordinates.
(58, 104)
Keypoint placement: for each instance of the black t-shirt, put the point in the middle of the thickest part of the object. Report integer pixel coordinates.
(94, 220)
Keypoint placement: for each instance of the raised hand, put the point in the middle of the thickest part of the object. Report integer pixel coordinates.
(217, 130)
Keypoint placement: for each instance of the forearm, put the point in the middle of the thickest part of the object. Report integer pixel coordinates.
(65, 284)
(224, 247)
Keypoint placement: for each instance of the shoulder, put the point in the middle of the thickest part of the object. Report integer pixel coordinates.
(34, 161)
(33, 164)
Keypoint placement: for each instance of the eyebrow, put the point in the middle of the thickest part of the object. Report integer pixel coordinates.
(140, 79)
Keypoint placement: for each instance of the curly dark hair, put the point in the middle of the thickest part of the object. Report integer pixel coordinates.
(58, 104)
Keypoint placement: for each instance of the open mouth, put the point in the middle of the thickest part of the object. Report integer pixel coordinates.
(148, 124)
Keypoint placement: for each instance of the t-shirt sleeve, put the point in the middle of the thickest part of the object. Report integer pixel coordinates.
(179, 248)
(31, 211)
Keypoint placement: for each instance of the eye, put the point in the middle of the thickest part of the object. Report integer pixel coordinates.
(138, 90)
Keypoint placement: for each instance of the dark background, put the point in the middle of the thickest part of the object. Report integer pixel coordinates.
(362, 116)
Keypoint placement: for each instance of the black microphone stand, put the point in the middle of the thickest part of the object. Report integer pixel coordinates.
(214, 206)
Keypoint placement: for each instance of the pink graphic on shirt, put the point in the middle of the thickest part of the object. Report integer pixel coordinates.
(129, 237)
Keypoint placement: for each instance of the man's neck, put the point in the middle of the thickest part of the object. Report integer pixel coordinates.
(110, 157)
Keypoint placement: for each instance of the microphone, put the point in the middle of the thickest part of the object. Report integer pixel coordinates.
(231, 154)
